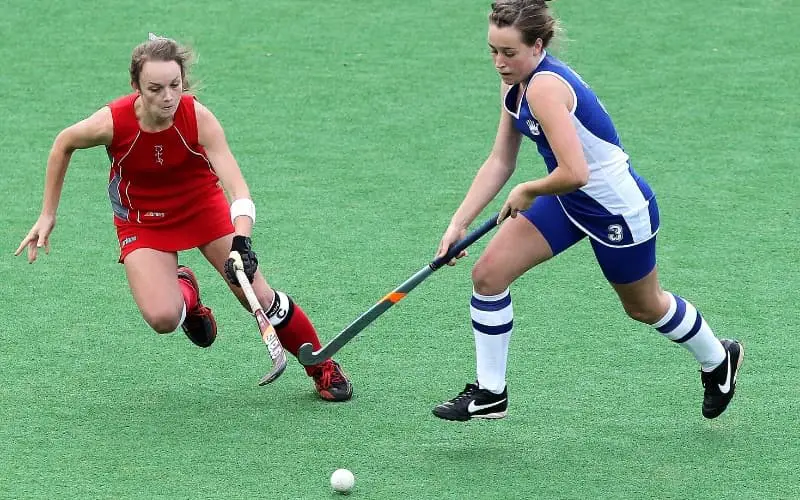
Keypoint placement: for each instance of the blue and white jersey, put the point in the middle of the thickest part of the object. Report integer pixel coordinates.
(616, 207)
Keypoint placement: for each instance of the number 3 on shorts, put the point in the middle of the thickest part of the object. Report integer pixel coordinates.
(615, 233)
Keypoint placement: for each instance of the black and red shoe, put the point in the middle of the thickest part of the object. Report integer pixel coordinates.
(199, 325)
(331, 381)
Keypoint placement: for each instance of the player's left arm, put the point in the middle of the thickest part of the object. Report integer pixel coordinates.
(212, 138)
(550, 100)
(243, 211)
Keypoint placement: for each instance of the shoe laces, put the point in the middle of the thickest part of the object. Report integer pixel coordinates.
(709, 377)
(467, 393)
(329, 374)
(705, 377)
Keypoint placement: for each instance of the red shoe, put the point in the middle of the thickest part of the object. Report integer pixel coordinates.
(199, 325)
(331, 382)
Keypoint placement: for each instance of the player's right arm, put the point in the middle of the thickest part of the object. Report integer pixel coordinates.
(489, 180)
(96, 130)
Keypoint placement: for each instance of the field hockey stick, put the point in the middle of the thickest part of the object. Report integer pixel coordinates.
(308, 356)
(268, 334)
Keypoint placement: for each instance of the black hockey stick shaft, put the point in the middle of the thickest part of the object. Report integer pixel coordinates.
(308, 356)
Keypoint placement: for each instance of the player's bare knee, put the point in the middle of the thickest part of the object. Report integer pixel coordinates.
(643, 313)
(162, 320)
(487, 281)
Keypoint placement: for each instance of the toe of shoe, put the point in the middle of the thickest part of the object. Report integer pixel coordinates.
(202, 331)
(334, 396)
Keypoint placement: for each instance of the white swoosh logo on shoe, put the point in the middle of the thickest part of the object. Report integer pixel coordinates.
(472, 408)
(726, 387)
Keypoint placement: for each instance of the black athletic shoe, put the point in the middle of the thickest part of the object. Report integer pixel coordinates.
(721, 382)
(199, 325)
(474, 402)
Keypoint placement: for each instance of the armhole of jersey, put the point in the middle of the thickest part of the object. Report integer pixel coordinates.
(564, 80)
(189, 100)
(113, 126)
(122, 125)
(504, 99)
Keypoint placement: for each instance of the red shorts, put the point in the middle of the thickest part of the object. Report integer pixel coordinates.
(203, 222)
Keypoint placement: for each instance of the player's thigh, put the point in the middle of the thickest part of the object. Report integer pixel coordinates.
(154, 285)
(632, 273)
(217, 252)
(523, 242)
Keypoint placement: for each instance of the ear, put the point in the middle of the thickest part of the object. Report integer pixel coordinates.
(538, 47)
(135, 87)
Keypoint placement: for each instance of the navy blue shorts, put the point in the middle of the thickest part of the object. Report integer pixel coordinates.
(620, 265)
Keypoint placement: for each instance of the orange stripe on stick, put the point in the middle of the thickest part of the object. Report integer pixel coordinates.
(394, 297)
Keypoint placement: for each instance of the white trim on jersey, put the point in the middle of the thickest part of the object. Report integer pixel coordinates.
(610, 182)
(519, 104)
(564, 80)
(193, 151)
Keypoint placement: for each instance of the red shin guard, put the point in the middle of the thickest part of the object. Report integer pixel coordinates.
(295, 329)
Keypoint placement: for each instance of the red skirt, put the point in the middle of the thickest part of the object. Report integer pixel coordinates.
(200, 223)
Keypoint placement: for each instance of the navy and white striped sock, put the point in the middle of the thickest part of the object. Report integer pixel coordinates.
(492, 323)
(684, 325)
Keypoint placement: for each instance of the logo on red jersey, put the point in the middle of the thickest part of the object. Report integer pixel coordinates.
(159, 149)
(127, 241)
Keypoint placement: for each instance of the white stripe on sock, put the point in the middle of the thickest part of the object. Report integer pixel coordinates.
(673, 305)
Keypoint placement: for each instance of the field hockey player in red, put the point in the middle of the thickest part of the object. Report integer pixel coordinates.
(170, 161)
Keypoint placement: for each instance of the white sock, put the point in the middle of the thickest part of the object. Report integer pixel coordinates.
(183, 316)
(492, 323)
(684, 325)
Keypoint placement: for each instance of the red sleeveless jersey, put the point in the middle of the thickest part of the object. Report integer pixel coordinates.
(163, 190)
(156, 177)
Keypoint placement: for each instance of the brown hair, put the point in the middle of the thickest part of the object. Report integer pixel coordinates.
(157, 48)
(531, 17)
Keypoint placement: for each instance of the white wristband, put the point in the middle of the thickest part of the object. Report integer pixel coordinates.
(243, 206)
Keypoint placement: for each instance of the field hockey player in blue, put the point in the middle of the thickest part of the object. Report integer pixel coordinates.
(590, 190)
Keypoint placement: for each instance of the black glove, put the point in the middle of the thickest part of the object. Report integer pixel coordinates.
(241, 244)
